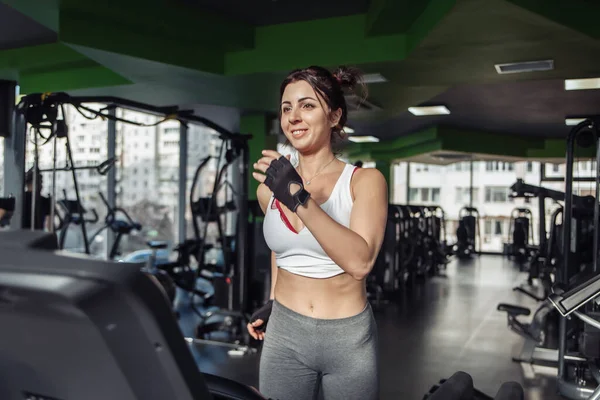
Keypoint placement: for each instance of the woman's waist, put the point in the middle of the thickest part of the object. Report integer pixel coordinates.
(340, 296)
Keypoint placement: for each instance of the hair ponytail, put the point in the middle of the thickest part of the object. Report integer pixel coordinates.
(350, 78)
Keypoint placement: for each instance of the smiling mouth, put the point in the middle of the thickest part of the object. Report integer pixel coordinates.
(298, 132)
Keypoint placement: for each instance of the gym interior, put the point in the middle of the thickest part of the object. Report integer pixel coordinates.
(135, 124)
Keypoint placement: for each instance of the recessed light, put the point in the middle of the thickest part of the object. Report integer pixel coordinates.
(374, 78)
(582, 84)
(348, 130)
(429, 110)
(527, 66)
(363, 139)
(574, 121)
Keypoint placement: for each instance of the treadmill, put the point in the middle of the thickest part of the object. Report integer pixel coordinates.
(74, 327)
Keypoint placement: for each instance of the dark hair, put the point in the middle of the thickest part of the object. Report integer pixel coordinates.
(331, 86)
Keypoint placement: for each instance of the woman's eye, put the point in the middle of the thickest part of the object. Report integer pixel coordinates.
(308, 105)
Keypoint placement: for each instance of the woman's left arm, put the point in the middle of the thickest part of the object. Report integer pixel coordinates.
(355, 248)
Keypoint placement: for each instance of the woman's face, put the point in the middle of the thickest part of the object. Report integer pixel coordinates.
(304, 120)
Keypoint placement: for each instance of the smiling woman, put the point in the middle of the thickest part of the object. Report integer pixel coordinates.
(324, 222)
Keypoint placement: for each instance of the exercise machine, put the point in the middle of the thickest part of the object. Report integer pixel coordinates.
(541, 333)
(119, 226)
(230, 311)
(96, 315)
(538, 261)
(73, 213)
(579, 380)
(8, 205)
(460, 387)
(582, 303)
(414, 246)
(520, 235)
(468, 235)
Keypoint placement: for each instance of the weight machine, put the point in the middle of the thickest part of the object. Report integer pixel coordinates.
(519, 245)
(579, 380)
(468, 235)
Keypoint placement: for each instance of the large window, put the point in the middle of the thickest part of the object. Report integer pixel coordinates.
(449, 188)
(463, 195)
(497, 194)
(148, 178)
(88, 140)
(424, 195)
(497, 166)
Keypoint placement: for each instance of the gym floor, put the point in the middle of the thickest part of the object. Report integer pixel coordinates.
(447, 324)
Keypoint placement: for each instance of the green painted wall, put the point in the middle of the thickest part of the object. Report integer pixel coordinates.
(257, 125)
(385, 167)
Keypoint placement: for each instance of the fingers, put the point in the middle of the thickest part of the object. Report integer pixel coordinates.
(259, 177)
(271, 153)
(262, 164)
(256, 334)
(252, 332)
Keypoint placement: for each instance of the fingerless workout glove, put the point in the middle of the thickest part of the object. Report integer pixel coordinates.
(262, 313)
(281, 174)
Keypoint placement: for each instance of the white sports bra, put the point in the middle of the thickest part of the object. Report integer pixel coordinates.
(299, 252)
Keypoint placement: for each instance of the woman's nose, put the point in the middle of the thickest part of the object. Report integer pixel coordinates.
(294, 115)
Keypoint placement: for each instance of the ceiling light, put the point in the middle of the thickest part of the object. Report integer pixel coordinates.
(373, 78)
(582, 84)
(348, 130)
(363, 139)
(429, 110)
(528, 66)
(574, 121)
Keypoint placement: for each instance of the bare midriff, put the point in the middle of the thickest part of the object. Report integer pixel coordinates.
(340, 296)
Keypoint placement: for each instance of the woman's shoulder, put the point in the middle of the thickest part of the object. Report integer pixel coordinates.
(368, 176)
(367, 180)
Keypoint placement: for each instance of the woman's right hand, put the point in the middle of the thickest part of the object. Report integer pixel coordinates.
(258, 321)
(254, 328)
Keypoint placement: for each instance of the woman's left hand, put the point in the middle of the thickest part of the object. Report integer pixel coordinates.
(282, 178)
(265, 162)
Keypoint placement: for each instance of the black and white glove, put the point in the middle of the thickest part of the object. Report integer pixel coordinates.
(281, 175)
(262, 314)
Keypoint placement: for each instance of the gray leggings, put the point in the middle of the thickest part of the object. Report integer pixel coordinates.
(302, 355)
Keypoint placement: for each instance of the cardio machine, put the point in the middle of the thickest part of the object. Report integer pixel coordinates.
(520, 235)
(96, 315)
(467, 233)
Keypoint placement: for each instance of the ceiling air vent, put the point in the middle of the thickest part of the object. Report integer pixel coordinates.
(529, 66)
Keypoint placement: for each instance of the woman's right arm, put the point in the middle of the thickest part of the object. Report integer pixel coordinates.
(263, 194)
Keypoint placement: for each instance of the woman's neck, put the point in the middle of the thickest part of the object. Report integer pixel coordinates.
(316, 163)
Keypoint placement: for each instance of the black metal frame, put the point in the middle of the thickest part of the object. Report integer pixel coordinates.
(565, 387)
(183, 116)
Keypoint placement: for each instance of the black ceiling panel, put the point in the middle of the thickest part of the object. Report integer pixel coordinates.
(267, 12)
(18, 30)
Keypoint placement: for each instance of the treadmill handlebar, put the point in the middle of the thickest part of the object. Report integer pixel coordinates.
(568, 302)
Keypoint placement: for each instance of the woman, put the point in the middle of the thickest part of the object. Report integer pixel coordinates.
(324, 222)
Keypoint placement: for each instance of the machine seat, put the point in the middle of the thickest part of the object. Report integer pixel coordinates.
(222, 388)
(157, 244)
(513, 310)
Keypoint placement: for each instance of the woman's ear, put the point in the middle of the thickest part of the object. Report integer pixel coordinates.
(335, 117)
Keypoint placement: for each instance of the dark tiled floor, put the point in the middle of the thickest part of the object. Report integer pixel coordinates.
(447, 324)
